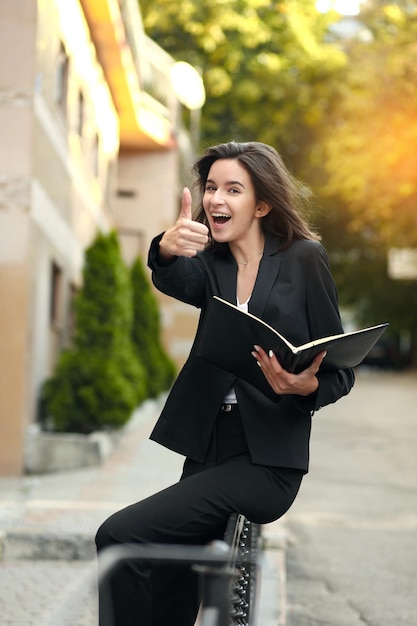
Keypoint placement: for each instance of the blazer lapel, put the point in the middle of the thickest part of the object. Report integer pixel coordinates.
(267, 274)
(226, 272)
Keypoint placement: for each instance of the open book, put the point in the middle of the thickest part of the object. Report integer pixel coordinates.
(229, 334)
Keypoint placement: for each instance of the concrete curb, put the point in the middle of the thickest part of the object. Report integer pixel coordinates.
(49, 452)
(56, 452)
(272, 599)
(19, 546)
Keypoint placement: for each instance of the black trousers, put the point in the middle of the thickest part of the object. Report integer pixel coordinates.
(193, 511)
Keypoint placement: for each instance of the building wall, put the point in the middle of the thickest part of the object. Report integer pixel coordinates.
(148, 201)
(61, 181)
(76, 142)
(57, 172)
(17, 37)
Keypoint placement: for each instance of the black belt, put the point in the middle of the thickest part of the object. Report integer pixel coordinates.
(226, 408)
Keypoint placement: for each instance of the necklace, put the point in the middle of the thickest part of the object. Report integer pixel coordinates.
(251, 257)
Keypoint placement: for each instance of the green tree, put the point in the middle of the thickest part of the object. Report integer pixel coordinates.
(368, 144)
(258, 60)
(99, 380)
(362, 166)
(146, 331)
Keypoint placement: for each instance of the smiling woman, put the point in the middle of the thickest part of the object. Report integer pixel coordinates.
(246, 451)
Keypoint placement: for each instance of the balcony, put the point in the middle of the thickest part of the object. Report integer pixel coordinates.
(138, 73)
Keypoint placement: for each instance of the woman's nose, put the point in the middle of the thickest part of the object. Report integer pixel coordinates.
(218, 197)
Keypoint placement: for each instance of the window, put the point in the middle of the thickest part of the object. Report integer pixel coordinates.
(62, 74)
(55, 310)
(71, 311)
(80, 119)
(109, 182)
(95, 155)
(126, 193)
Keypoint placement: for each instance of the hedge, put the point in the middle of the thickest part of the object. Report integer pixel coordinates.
(99, 380)
(146, 333)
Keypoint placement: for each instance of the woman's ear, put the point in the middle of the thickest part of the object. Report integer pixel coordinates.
(262, 209)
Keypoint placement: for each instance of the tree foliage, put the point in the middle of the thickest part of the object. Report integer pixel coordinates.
(362, 166)
(258, 60)
(368, 143)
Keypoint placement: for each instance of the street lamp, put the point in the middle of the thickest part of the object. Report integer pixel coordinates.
(189, 89)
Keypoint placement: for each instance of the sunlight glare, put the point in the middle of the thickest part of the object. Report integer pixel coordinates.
(344, 7)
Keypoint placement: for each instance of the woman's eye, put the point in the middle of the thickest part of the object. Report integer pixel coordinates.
(210, 188)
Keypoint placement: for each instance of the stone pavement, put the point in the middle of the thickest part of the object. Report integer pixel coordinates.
(48, 523)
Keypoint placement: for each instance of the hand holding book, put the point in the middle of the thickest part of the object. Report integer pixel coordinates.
(283, 382)
(229, 335)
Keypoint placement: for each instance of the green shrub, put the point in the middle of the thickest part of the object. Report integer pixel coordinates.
(146, 331)
(99, 381)
(88, 392)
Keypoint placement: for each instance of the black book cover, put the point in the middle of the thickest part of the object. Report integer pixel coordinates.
(229, 334)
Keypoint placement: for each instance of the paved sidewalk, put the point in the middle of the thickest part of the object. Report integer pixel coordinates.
(48, 523)
(56, 515)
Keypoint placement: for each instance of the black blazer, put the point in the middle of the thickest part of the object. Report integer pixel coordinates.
(294, 292)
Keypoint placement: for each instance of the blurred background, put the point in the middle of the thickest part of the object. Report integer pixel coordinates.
(104, 105)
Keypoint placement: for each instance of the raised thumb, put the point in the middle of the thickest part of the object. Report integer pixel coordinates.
(186, 204)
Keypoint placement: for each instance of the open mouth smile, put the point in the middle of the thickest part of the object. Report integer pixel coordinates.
(220, 218)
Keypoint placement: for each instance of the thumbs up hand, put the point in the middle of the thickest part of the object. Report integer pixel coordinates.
(186, 205)
(186, 237)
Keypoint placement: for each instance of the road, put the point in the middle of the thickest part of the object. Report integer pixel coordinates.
(352, 554)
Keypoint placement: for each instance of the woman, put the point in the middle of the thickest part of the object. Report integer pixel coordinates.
(244, 452)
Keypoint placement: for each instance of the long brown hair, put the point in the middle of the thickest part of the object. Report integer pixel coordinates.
(272, 182)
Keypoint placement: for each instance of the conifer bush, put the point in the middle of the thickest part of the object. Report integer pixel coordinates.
(99, 380)
(146, 330)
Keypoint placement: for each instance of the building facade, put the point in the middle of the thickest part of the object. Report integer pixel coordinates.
(91, 140)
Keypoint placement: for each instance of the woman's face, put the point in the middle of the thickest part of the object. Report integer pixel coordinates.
(230, 203)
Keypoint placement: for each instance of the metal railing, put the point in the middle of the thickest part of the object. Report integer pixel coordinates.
(228, 572)
(244, 538)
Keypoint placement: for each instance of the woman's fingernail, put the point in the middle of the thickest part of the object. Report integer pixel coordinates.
(256, 347)
(271, 354)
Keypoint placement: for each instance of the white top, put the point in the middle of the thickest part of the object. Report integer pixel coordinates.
(230, 397)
